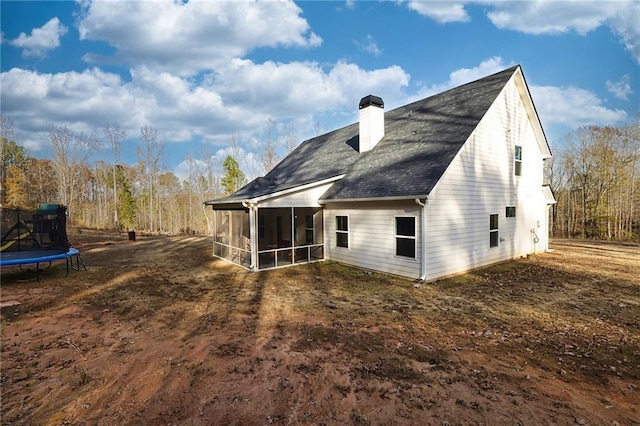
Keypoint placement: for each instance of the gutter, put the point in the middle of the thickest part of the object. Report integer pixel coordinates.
(373, 199)
(423, 239)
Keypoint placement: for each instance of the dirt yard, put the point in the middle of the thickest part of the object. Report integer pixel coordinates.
(157, 332)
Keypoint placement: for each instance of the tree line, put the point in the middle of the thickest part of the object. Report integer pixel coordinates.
(108, 194)
(595, 178)
(594, 175)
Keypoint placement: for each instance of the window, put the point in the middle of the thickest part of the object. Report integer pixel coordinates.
(406, 237)
(493, 230)
(511, 211)
(342, 231)
(518, 160)
(308, 220)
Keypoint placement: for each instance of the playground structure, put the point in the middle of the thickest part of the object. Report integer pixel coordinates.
(35, 237)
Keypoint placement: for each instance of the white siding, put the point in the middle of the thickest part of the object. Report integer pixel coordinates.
(304, 198)
(372, 237)
(481, 181)
(371, 127)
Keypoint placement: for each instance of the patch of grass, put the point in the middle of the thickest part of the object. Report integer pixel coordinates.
(83, 377)
(393, 369)
(358, 418)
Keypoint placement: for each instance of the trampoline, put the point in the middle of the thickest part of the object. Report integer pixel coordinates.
(35, 237)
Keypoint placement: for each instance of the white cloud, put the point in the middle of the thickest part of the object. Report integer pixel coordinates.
(238, 98)
(486, 67)
(441, 11)
(41, 39)
(573, 107)
(552, 17)
(556, 17)
(295, 87)
(625, 25)
(464, 75)
(369, 45)
(186, 38)
(546, 16)
(620, 89)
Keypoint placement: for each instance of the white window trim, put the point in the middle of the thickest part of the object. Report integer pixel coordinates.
(497, 230)
(335, 221)
(516, 161)
(406, 237)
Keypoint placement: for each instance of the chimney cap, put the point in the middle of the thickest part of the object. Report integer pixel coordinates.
(371, 100)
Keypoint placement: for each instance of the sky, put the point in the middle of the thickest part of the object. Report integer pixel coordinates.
(207, 73)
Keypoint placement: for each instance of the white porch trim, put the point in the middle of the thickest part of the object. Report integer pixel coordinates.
(257, 200)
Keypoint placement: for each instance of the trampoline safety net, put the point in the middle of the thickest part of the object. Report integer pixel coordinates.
(34, 230)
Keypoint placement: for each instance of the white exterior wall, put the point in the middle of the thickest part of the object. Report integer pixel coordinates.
(481, 181)
(372, 237)
(371, 127)
(304, 198)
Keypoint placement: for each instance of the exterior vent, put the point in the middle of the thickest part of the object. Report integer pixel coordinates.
(371, 125)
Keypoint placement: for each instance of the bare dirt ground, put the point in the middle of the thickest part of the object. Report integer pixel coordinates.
(157, 332)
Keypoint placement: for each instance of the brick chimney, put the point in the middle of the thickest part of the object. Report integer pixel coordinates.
(371, 110)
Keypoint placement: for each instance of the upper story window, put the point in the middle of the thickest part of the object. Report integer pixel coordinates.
(511, 211)
(342, 231)
(518, 161)
(406, 237)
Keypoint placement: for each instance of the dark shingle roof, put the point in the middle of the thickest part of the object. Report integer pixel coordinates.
(316, 159)
(421, 139)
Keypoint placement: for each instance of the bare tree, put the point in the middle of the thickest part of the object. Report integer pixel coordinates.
(268, 155)
(115, 136)
(289, 137)
(12, 161)
(70, 154)
(596, 183)
(6, 128)
(149, 155)
(554, 176)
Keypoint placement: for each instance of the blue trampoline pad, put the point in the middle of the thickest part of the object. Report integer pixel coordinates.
(35, 256)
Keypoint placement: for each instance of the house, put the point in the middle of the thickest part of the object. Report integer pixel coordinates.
(437, 187)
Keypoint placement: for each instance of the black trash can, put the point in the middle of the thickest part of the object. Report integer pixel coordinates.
(132, 235)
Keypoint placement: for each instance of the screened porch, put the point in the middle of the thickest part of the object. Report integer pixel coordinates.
(273, 238)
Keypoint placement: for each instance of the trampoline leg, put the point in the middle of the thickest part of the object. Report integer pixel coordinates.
(77, 267)
(38, 272)
(80, 259)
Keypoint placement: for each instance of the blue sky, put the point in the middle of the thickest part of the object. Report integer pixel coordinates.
(206, 72)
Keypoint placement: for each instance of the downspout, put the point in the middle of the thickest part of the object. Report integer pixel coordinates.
(252, 233)
(423, 237)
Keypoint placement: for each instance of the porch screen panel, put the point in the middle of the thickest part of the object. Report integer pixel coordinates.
(316, 253)
(304, 226)
(240, 229)
(221, 232)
